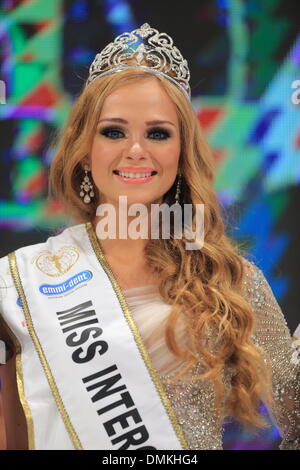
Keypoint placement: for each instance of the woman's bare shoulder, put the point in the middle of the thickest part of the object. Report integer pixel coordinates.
(6, 281)
(13, 426)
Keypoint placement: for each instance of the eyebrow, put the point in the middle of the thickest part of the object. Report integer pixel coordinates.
(149, 123)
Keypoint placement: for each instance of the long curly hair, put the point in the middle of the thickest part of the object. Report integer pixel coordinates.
(204, 286)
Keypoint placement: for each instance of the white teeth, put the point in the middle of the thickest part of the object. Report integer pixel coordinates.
(133, 175)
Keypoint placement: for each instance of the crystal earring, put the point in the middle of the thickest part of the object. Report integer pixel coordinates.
(178, 189)
(86, 186)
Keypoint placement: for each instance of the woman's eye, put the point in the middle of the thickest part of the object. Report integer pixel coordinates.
(111, 133)
(159, 132)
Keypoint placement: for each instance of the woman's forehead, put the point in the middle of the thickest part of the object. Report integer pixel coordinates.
(147, 98)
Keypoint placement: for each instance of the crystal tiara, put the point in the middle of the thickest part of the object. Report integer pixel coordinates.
(157, 48)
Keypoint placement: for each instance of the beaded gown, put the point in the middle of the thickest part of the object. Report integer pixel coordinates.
(193, 402)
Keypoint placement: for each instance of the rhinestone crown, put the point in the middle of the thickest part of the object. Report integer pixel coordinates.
(157, 48)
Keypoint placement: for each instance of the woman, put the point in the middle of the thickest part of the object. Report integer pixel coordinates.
(139, 343)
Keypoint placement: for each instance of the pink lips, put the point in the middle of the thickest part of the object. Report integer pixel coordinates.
(125, 180)
(135, 169)
(131, 169)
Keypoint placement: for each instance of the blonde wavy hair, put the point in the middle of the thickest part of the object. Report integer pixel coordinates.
(206, 285)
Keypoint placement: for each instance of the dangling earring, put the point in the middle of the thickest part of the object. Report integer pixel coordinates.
(178, 189)
(86, 186)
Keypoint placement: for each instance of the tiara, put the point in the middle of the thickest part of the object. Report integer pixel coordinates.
(158, 50)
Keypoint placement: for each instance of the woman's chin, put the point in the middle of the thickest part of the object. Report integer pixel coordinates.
(125, 201)
(141, 200)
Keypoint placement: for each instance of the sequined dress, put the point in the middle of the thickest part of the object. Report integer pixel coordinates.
(193, 404)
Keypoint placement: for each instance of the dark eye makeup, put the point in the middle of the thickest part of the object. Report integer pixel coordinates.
(112, 132)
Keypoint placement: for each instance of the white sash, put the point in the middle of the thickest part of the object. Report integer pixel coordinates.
(100, 374)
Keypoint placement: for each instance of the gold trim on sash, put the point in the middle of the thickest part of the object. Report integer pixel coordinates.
(18, 283)
(144, 353)
(20, 385)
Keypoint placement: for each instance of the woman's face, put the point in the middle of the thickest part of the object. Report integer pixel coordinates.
(127, 140)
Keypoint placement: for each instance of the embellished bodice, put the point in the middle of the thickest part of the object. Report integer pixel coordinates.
(192, 404)
(193, 401)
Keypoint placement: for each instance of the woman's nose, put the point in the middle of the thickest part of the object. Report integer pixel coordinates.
(136, 151)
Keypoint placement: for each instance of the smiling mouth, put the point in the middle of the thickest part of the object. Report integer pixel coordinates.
(129, 174)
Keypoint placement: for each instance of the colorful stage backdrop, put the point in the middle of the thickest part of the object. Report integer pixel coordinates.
(244, 59)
